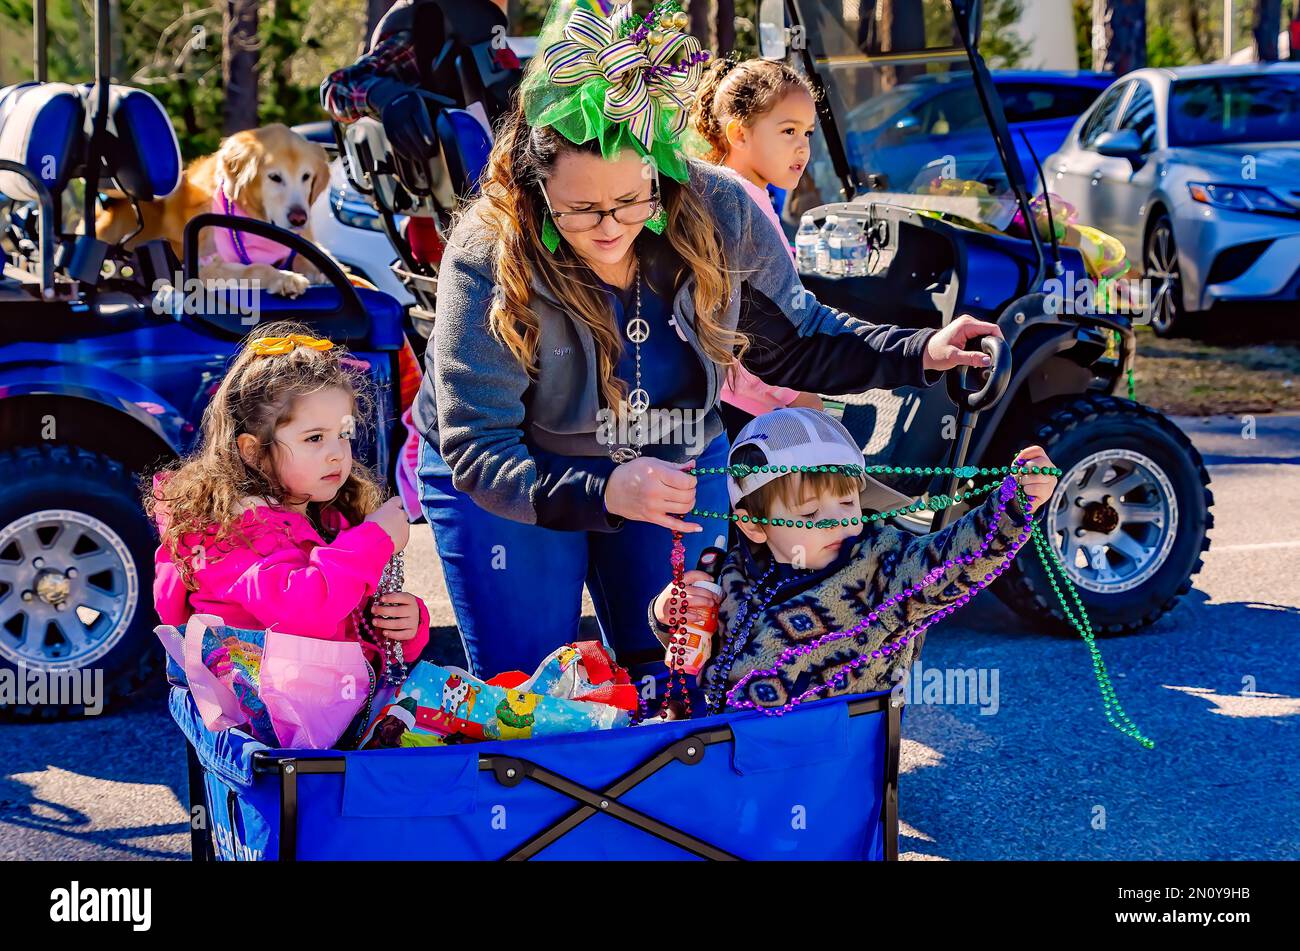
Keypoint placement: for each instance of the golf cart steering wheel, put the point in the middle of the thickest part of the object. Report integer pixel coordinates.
(996, 377)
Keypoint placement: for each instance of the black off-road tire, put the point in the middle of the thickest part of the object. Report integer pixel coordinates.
(1070, 431)
(62, 477)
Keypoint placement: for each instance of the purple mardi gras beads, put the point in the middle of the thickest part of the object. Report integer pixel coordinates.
(898, 642)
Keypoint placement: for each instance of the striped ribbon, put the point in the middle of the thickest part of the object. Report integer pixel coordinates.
(638, 94)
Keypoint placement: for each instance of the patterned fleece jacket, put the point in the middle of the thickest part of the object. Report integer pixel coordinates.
(881, 563)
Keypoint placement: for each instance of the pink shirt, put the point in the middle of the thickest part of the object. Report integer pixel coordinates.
(748, 392)
(287, 577)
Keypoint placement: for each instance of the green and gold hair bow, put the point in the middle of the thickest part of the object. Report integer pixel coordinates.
(625, 79)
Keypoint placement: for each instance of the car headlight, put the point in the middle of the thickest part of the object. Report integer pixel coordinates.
(1239, 198)
(353, 212)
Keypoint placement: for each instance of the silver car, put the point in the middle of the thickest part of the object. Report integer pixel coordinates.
(1197, 170)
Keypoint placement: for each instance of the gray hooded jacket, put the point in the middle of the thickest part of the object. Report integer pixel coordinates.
(527, 449)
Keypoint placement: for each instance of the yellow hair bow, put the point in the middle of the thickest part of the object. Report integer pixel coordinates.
(275, 346)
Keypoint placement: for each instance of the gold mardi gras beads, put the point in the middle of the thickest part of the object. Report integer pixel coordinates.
(277, 346)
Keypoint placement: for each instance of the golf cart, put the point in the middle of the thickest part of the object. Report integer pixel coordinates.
(941, 201)
(107, 361)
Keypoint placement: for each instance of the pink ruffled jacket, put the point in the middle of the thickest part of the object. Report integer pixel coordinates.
(287, 578)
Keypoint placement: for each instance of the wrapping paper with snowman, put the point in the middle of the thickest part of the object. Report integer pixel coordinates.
(576, 689)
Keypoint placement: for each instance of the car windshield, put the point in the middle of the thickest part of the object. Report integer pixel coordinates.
(899, 85)
(1235, 109)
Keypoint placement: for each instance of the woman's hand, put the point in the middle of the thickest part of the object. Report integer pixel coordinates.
(651, 490)
(396, 616)
(700, 602)
(391, 517)
(946, 348)
(1037, 487)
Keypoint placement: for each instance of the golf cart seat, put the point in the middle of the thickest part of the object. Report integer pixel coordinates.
(465, 148)
(41, 127)
(142, 154)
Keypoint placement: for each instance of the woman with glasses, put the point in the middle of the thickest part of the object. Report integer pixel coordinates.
(590, 301)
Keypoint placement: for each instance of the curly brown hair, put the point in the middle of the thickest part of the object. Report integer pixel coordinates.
(522, 158)
(257, 396)
(740, 89)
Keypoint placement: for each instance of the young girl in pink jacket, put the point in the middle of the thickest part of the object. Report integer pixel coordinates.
(270, 523)
(755, 117)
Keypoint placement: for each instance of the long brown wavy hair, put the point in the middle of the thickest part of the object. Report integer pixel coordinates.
(257, 396)
(522, 158)
(740, 89)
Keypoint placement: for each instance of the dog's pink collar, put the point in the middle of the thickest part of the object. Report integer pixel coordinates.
(240, 247)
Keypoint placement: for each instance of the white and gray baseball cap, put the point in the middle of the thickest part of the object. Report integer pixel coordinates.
(798, 436)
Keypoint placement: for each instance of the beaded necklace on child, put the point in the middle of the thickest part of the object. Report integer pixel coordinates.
(737, 637)
(395, 669)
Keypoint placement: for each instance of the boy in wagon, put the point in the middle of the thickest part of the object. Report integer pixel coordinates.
(786, 587)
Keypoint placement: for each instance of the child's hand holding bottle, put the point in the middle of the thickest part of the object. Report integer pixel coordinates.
(391, 517)
(701, 603)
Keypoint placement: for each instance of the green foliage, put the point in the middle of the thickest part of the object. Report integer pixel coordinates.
(1083, 32)
(173, 49)
(1163, 47)
(1000, 45)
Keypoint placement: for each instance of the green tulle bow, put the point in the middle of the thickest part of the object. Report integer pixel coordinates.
(580, 117)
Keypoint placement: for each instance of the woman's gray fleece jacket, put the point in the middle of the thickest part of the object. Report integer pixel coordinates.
(527, 449)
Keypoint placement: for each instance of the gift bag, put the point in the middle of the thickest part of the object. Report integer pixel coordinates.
(285, 690)
(575, 690)
(583, 671)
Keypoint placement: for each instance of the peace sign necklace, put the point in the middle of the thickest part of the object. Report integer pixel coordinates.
(638, 401)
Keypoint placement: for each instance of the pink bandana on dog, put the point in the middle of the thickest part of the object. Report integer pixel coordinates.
(240, 247)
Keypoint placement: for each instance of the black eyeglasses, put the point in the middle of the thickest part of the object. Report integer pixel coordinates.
(633, 213)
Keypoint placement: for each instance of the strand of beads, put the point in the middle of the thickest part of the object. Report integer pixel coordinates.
(1115, 714)
(720, 672)
(933, 577)
(939, 502)
(677, 627)
(1110, 703)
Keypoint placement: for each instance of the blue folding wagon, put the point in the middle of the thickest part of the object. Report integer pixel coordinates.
(820, 782)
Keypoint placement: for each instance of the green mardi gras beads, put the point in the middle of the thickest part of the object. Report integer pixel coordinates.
(740, 470)
(1069, 599)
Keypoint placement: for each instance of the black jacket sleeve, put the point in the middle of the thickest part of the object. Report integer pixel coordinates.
(570, 492)
(866, 357)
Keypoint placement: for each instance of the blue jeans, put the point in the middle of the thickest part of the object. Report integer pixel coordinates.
(516, 588)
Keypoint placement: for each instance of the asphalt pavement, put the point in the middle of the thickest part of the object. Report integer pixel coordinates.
(1216, 684)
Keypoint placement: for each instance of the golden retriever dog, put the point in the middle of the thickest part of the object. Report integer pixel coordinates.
(272, 174)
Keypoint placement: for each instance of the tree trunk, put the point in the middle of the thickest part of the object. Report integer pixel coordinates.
(1268, 23)
(726, 27)
(117, 30)
(1119, 35)
(1196, 25)
(702, 19)
(85, 34)
(239, 65)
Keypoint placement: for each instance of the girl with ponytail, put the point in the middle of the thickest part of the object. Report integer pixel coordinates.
(755, 117)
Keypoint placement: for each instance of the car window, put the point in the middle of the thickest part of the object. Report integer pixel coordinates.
(951, 112)
(1140, 115)
(1220, 110)
(1023, 102)
(1102, 116)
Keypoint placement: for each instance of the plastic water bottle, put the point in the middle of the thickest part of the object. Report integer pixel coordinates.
(805, 245)
(855, 249)
(824, 245)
